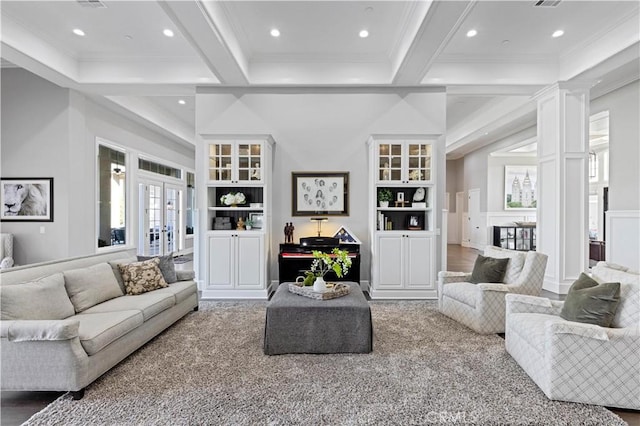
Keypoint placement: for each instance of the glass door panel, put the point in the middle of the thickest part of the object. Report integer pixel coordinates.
(419, 161)
(172, 215)
(160, 218)
(220, 162)
(390, 162)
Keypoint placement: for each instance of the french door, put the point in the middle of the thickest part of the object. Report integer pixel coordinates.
(161, 217)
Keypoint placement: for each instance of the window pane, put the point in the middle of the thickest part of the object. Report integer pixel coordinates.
(191, 202)
(111, 197)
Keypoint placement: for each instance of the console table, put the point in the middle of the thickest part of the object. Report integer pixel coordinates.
(296, 324)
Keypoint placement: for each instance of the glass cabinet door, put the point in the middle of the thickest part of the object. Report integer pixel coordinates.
(419, 161)
(390, 161)
(220, 162)
(249, 162)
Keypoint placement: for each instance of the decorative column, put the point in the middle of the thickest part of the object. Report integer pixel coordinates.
(563, 182)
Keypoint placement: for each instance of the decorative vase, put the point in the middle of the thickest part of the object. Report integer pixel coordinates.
(319, 285)
(248, 227)
(384, 204)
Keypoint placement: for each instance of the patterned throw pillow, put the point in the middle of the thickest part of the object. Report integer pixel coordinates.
(488, 269)
(590, 302)
(140, 277)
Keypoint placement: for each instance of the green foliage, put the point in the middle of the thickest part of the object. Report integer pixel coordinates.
(384, 194)
(338, 261)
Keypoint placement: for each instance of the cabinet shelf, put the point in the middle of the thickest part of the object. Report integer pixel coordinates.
(406, 209)
(233, 209)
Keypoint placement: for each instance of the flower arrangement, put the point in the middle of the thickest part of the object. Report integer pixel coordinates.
(233, 198)
(324, 262)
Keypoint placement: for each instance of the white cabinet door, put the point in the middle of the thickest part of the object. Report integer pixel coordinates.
(221, 261)
(250, 261)
(390, 264)
(418, 258)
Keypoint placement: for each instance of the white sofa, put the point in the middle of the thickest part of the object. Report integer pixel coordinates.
(578, 362)
(46, 350)
(481, 307)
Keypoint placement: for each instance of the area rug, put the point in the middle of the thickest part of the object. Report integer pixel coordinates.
(209, 369)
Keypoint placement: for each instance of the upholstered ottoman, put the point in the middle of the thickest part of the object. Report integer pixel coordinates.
(297, 324)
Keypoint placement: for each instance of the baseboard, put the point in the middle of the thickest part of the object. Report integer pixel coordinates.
(555, 287)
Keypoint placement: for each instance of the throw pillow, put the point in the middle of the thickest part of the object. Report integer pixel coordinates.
(140, 277)
(590, 302)
(41, 299)
(167, 266)
(116, 271)
(488, 270)
(89, 286)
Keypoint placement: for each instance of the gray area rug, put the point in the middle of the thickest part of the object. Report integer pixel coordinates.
(425, 369)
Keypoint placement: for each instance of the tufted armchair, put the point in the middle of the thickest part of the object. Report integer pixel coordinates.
(6, 250)
(578, 362)
(481, 307)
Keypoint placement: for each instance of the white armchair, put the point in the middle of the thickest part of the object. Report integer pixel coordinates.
(578, 362)
(6, 250)
(481, 307)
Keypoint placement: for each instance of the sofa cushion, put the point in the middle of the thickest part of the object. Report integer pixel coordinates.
(463, 292)
(150, 304)
(116, 271)
(100, 329)
(42, 299)
(92, 285)
(628, 312)
(166, 265)
(488, 269)
(590, 302)
(141, 277)
(515, 264)
(181, 290)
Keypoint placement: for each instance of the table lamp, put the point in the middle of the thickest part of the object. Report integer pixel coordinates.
(319, 221)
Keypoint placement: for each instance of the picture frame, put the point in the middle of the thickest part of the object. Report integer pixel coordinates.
(346, 236)
(520, 187)
(320, 193)
(27, 199)
(257, 219)
(400, 196)
(414, 222)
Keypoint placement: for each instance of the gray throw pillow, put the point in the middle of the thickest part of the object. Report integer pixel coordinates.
(489, 270)
(590, 302)
(167, 266)
(41, 299)
(116, 271)
(89, 286)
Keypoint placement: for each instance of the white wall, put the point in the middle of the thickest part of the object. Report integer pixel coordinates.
(321, 131)
(48, 131)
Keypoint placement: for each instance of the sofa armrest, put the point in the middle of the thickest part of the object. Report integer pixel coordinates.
(40, 330)
(185, 275)
(493, 287)
(520, 303)
(446, 277)
(589, 331)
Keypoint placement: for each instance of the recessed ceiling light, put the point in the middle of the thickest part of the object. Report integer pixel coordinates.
(364, 34)
(275, 32)
(182, 102)
(505, 42)
(168, 32)
(557, 33)
(472, 33)
(78, 32)
(128, 37)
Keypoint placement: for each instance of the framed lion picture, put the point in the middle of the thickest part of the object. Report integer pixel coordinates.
(27, 199)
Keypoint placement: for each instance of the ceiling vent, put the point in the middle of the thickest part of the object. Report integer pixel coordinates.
(95, 4)
(546, 3)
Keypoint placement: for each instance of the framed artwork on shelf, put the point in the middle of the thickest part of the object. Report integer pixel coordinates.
(320, 193)
(346, 236)
(257, 219)
(414, 222)
(520, 187)
(27, 199)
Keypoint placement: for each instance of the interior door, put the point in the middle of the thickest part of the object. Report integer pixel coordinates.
(160, 218)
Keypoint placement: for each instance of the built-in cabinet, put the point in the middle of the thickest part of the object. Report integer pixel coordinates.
(236, 256)
(402, 232)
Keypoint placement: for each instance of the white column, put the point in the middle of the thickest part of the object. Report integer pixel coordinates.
(563, 182)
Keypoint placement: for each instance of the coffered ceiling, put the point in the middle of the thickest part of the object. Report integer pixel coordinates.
(124, 58)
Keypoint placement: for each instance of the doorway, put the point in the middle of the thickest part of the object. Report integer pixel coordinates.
(161, 216)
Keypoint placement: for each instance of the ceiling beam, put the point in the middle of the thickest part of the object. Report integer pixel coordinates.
(205, 28)
(431, 39)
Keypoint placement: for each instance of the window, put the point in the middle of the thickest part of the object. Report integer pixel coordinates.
(112, 196)
(158, 168)
(191, 203)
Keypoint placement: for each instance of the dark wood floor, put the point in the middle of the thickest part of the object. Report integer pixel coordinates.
(17, 407)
